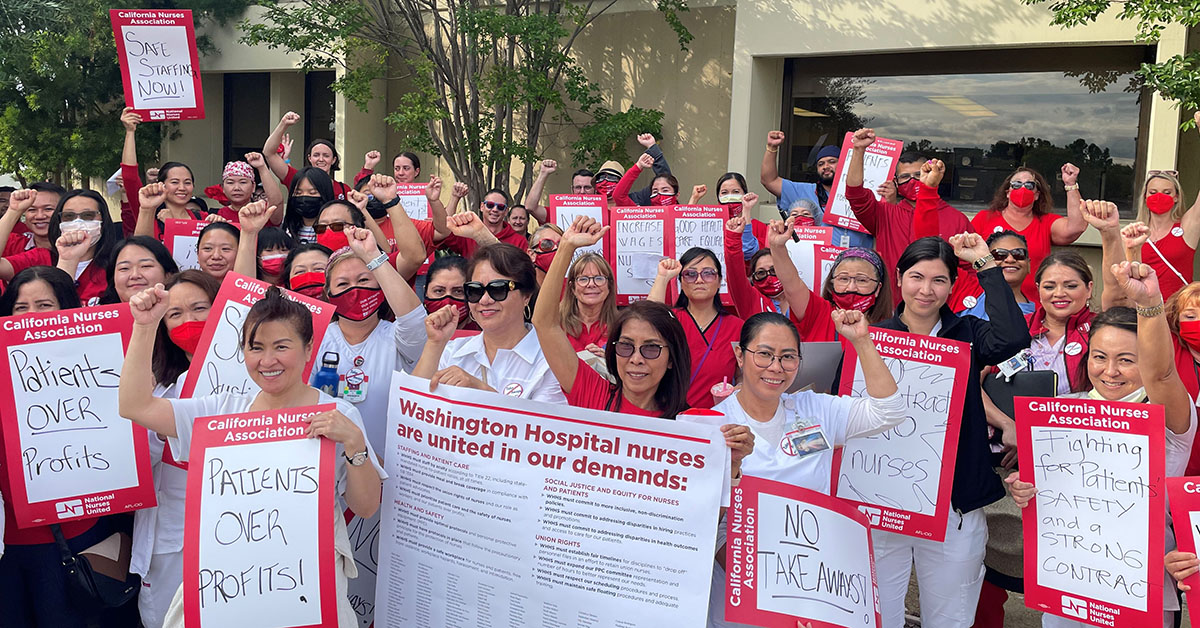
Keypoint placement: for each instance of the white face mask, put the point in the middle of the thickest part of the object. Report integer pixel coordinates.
(90, 227)
(729, 198)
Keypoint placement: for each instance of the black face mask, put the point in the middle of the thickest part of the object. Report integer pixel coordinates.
(306, 206)
(375, 208)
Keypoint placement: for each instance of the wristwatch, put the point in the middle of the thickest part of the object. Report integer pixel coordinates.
(357, 460)
(983, 261)
(1071, 187)
(377, 262)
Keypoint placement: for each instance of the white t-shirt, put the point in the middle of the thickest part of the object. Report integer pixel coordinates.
(518, 372)
(159, 530)
(841, 418)
(390, 347)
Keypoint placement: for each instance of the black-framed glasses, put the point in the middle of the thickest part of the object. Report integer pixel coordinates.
(336, 227)
(762, 274)
(901, 179)
(1028, 185)
(764, 359)
(692, 275)
(597, 280)
(649, 351)
(1019, 255)
(497, 289)
(546, 246)
(495, 205)
(85, 215)
(607, 177)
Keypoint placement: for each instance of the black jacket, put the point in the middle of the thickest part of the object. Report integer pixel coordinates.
(993, 341)
(661, 169)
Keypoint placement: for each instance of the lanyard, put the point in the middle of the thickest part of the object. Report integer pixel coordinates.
(716, 332)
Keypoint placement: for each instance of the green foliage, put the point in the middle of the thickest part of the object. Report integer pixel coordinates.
(1177, 78)
(605, 138)
(60, 86)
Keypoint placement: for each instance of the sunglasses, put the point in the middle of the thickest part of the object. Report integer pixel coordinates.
(692, 275)
(762, 274)
(1019, 255)
(584, 280)
(1173, 173)
(336, 227)
(1028, 185)
(546, 246)
(625, 349)
(72, 216)
(607, 178)
(497, 289)
(495, 205)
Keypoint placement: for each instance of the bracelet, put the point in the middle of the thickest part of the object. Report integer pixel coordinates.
(377, 262)
(772, 150)
(1071, 188)
(392, 203)
(983, 261)
(1150, 312)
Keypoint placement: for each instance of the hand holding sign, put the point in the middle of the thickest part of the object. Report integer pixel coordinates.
(159, 62)
(130, 119)
(1022, 492)
(740, 441)
(334, 425)
(1181, 565)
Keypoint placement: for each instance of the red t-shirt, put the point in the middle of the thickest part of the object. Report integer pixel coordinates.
(594, 334)
(817, 323)
(712, 354)
(466, 246)
(592, 391)
(90, 285)
(18, 243)
(747, 300)
(1178, 255)
(1037, 240)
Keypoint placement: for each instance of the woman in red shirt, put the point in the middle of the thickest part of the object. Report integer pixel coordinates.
(663, 191)
(238, 187)
(711, 330)
(590, 305)
(1168, 245)
(320, 154)
(1023, 204)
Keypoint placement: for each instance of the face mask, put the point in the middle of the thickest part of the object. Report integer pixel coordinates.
(375, 208)
(803, 221)
(605, 187)
(1160, 203)
(908, 189)
(333, 240)
(853, 301)
(273, 264)
(770, 287)
(311, 285)
(542, 260)
(734, 209)
(1021, 197)
(1189, 331)
(90, 227)
(306, 206)
(729, 199)
(433, 305)
(357, 303)
(186, 336)
(664, 199)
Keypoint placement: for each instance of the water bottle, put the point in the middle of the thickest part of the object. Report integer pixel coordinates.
(327, 376)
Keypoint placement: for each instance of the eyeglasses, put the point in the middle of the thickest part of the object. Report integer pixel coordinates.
(497, 289)
(546, 246)
(625, 349)
(336, 227)
(495, 205)
(1173, 173)
(1028, 185)
(762, 274)
(88, 215)
(764, 359)
(598, 280)
(901, 179)
(692, 275)
(582, 188)
(1019, 255)
(845, 279)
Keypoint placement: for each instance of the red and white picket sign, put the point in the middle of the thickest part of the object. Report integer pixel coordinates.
(259, 529)
(563, 209)
(1094, 531)
(413, 200)
(68, 453)
(793, 553)
(879, 162)
(813, 255)
(1184, 497)
(901, 479)
(642, 236)
(160, 65)
(182, 238)
(218, 365)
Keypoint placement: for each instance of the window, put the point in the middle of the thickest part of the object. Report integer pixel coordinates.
(319, 111)
(247, 113)
(984, 113)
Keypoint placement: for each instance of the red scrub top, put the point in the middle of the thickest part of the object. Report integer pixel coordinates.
(593, 392)
(712, 354)
(1037, 239)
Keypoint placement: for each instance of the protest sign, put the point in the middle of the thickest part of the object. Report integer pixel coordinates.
(794, 553)
(879, 164)
(820, 235)
(413, 200)
(67, 451)
(563, 209)
(364, 542)
(160, 67)
(508, 511)
(182, 238)
(258, 537)
(640, 241)
(813, 260)
(702, 226)
(1184, 496)
(218, 365)
(1094, 532)
(901, 478)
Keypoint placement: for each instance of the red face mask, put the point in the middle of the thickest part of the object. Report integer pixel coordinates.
(543, 260)
(908, 189)
(733, 209)
(186, 336)
(311, 285)
(273, 265)
(605, 187)
(1021, 197)
(357, 303)
(770, 287)
(803, 221)
(853, 301)
(1160, 203)
(664, 199)
(433, 305)
(1189, 331)
(333, 240)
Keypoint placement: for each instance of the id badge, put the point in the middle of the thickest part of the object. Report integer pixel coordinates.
(808, 440)
(352, 386)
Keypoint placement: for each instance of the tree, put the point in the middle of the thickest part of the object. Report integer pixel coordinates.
(60, 86)
(483, 77)
(1177, 78)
